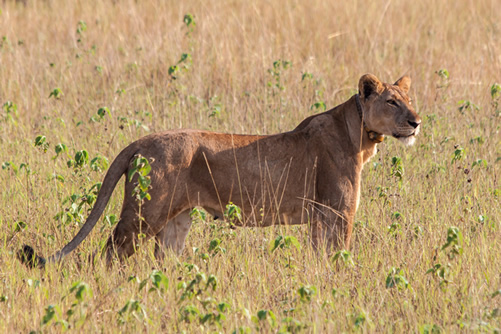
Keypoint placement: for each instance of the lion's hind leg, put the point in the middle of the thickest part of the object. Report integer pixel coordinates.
(136, 225)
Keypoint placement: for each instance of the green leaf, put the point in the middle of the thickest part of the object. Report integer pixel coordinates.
(443, 73)
(159, 280)
(40, 140)
(60, 148)
(189, 20)
(343, 255)
(81, 158)
(143, 284)
(306, 76)
(495, 91)
(103, 111)
(319, 106)
(81, 27)
(131, 173)
(144, 182)
(50, 313)
(57, 93)
(81, 290)
(9, 107)
(479, 162)
(212, 282)
(290, 240)
(19, 226)
(395, 278)
(306, 292)
(276, 243)
(99, 163)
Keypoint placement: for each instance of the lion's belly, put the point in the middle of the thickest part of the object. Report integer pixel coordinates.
(291, 217)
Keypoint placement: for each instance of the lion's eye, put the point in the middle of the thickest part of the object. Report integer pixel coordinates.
(392, 102)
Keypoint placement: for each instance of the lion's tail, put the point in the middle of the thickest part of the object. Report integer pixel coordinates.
(115, 172)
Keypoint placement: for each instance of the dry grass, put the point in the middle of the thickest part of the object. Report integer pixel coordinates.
(122, 60)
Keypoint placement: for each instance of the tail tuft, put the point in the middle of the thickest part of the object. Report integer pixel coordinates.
(27, 256)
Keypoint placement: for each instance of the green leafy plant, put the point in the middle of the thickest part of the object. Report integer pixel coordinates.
(57, 93)
(201, 306)
(454, 244)
(81, 27)
(77, 313)
(306, 292)
(10, 109)
(215, 106)
(458, 154)
(41, 142)
(306, 76)
(233, 213)
(396, 279)
(99, 163)
(53, 314)
(265, 320)
(495, 96)
(75, 211)
(183, 64)
(215, 247)
(59, 149)
(443, 73)
(189, 21)
(291, 325)
(359, 319)
(430, 329)
(465, 105)
(5, 43)
(19, 226)
(109, 221)
(495, 91)
(318, 106)
(133, 309)
(397, 169)
(81, 158)
(100, 114)
(198, 215)
(395, 229)
(344, 256)
(140, 167)
(284, 242)
(125, 121)
(159, 282)
(478, 140)
(276, 74)
(479, 163)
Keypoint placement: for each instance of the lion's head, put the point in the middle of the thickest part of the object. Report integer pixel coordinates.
(387, 108)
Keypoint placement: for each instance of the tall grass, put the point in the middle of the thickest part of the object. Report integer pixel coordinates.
(426, 250)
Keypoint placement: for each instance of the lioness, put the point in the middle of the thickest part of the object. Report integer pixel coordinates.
(308, 175)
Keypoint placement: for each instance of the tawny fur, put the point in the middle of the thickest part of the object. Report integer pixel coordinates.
(308, 175)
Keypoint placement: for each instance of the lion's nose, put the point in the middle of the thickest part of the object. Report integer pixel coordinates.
(414, 124)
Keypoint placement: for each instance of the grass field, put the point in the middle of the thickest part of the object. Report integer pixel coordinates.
(79, 80)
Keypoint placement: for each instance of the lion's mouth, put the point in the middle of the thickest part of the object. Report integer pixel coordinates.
(407, 139)
(406, 134)
(398, 136)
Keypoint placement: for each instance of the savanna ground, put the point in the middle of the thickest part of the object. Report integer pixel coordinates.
(80, 80)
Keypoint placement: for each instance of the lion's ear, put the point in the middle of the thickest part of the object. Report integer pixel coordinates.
(368, 85)
(404, 83)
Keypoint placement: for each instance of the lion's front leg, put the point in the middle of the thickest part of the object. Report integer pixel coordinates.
(330, 230)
